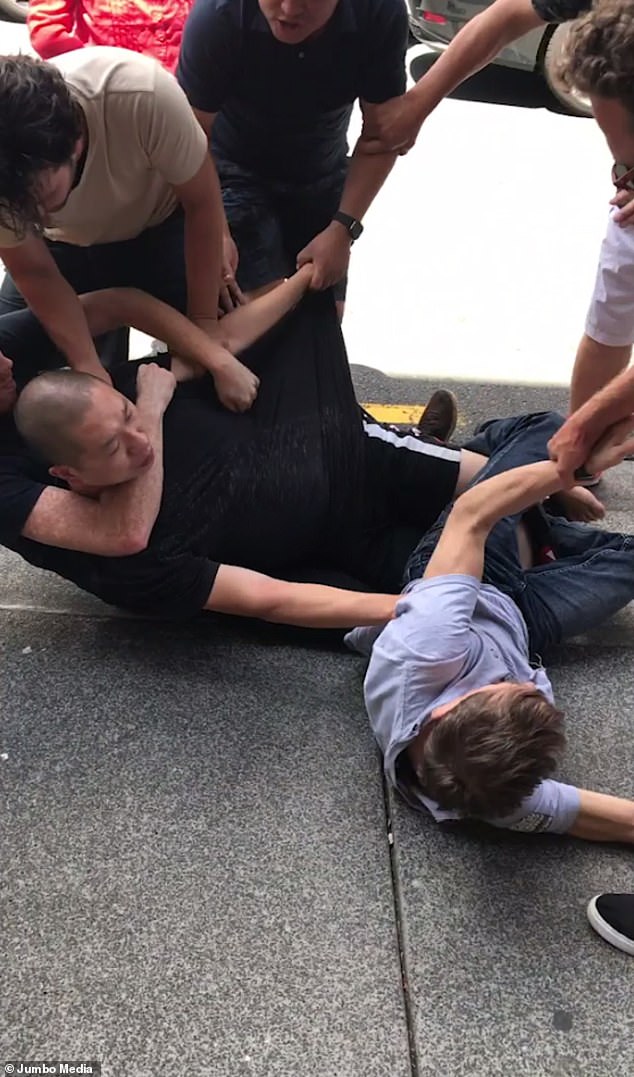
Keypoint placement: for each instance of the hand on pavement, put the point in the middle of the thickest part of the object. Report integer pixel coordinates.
(394, 129)
(236, 385)
(231, 295)
(155, 388)
(329, 253)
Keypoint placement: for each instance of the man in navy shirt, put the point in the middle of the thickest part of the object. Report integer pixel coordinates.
(273, 84)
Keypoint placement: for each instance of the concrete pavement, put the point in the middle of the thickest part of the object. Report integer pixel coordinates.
(203, 873)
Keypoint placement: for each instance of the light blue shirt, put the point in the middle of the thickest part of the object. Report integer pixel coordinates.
(451, 635)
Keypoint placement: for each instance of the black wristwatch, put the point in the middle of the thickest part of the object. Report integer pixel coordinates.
(352, 226)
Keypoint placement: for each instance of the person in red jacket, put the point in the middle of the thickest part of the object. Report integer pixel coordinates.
(154, 29)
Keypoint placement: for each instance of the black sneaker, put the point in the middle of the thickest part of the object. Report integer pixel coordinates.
(612, 916)
(440, 416)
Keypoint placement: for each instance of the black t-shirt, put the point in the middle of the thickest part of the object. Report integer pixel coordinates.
(284, 109)
(561, 10)
(267, 489)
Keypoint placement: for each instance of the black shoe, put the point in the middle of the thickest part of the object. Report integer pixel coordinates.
(440, 415)
(612, 916)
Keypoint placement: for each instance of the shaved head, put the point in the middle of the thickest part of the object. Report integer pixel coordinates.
(49, 411)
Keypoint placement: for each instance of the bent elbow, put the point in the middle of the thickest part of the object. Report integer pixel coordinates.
(131, 543)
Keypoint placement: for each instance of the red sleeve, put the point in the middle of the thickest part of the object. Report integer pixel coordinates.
(51, 26)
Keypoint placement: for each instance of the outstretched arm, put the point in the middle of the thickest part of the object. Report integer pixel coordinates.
(236, 384)
(252, 594)
(460, 549)
(484, 36)
(604, 818)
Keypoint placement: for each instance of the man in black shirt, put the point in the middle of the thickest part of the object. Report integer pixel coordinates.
(299, 487)
(273, 83)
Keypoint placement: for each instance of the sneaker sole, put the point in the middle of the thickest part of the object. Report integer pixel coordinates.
(602, 928)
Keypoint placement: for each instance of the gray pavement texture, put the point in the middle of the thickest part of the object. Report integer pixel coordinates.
(202, 873)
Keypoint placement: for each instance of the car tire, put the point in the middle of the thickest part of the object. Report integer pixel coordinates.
(577, 104)
(13, 10)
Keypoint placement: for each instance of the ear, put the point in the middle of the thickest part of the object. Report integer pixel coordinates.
(61, 471)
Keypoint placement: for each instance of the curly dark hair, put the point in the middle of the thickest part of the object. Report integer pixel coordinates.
(40, 123)
(484, 756)
(598, 56)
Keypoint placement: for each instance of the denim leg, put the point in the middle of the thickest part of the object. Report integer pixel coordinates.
(592, 578)
(23, 340)
(508, 443)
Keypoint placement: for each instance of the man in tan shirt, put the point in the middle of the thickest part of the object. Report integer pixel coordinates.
(105, 180)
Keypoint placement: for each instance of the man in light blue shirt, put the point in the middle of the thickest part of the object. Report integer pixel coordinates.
(457, 697)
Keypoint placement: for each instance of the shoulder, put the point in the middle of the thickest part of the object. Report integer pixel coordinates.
(369, 15)
(206, 14)
(94, 71)
(21, 483)
(560, 10)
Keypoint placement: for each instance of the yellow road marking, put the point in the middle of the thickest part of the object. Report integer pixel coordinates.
(408, 414)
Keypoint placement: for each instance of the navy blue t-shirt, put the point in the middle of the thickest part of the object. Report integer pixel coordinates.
(283, 110)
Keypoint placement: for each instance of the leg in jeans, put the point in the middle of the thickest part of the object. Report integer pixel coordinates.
(304, 211)
(156, 261)
(591, 579)
(255, 226)
(23, 340)
(507, 443)
(86, 269)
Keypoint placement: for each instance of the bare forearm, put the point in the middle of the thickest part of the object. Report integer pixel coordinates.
(131, 509)
(366, 176)
(604, 818)
(508, 493)
(595, 366)
(473, 47)
(245, 593)
(204, 230)
(611, 404)
(246, 324)
(114, 307)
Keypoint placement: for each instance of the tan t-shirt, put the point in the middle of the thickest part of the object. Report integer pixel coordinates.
(143, 139)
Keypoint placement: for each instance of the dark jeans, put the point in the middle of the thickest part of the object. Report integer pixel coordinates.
(593, 575)
(153, 261)
(272, 221)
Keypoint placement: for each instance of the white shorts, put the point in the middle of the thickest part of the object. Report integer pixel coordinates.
(611, 315)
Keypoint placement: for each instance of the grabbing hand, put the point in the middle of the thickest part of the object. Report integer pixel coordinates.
(155, 388)
(231, 295)
(236, 385)
(569, 449)
(394, 127)
(614, 446)
(625, 202)
(329, 253)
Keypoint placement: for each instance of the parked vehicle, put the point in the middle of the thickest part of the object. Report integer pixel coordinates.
(436, 23)
(13, 10)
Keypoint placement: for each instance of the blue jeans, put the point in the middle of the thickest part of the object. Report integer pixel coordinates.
(153, 261)
(271, 221)
(593, 575)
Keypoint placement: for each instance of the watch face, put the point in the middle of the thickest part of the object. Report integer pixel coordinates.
(355, 229)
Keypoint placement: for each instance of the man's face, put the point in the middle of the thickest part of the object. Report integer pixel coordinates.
(617, 124)
(54, 185)
(7, 385)
(114, 447)
(293, 21)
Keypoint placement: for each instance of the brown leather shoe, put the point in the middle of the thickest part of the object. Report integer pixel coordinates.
(440, 415)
